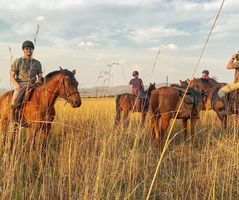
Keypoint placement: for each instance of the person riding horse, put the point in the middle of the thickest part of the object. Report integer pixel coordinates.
(205, 74)
(25, 71)
(233, 63)
(137, 85)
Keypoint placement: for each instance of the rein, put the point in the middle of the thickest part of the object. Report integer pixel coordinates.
(66, 96)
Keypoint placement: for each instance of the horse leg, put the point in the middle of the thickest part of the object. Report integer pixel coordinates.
(126, 118)
(15, 127)
(155, 127)
(4, 127)
(143, 118)
(185, 129)
(44, 137)
(32, 136)
(193, 129)
(165, 119)
(223, 119)
(117, 117)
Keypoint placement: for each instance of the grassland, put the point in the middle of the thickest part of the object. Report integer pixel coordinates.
(87, 158)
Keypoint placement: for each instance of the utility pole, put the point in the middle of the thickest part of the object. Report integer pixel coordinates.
(110, 75)
(166, 80)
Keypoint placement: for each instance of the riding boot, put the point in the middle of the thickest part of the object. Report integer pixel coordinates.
(227, 110)
(15, 113)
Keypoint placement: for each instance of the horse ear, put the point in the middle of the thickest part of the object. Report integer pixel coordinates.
(154, 83)
(74, 72)
(60, 68)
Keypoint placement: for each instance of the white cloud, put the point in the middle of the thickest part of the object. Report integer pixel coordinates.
(156, 33)
(86, 45)
(169, 46)
(40, 18)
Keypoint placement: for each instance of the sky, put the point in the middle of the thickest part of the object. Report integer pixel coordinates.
(90, 35)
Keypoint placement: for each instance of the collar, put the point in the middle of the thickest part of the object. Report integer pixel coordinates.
(24, 58)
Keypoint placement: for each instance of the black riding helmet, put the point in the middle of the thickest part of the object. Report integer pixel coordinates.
(27, 43)
(135, 73)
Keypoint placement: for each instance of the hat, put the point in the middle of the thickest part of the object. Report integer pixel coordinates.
(205, 72)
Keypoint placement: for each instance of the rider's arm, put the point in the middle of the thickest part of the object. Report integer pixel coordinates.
(142, 85)
(40, 78)
(14, 71)
(231, 64)
(130, 83)
(13, 80)
(39, 75)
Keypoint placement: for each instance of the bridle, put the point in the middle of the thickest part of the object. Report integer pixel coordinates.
(65, 96)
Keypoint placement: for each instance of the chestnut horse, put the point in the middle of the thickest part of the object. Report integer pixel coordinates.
(164, 103)
(211, 87)
(38, 112)
(125, 103)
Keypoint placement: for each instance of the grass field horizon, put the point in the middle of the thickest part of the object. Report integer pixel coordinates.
(89, 158)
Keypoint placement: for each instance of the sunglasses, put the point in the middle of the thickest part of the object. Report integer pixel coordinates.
(28, 48)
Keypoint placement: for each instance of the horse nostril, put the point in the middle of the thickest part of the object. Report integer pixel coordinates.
(77, 103)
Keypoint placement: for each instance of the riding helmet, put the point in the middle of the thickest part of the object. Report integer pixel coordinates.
(27, 43)
(135, 73)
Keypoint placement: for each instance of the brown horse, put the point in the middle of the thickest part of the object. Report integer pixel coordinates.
(164, 103)
(125, 103)
(211, 87)
(38, 111)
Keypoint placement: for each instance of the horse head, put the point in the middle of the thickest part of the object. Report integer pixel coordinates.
(69, 88)
(184, 84)
(151, 88)
(198, 85)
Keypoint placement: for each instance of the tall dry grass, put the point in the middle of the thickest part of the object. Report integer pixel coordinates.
(87, 158)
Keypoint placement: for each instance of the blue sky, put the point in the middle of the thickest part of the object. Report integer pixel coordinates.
(88, 35)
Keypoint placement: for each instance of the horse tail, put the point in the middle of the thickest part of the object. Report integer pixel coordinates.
(5, 102)
(118, 110)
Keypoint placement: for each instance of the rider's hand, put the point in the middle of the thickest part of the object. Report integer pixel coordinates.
(234, 56)
(17, 86)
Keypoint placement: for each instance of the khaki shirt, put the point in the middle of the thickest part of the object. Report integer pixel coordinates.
(25, 70)
(235, 66)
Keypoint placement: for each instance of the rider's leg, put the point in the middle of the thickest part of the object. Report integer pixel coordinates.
(222, 93)
(17, 101)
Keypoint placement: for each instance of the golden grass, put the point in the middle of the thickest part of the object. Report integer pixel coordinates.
(87, 158)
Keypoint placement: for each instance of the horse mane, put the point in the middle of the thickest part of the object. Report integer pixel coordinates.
(207, 80)
(52, 74)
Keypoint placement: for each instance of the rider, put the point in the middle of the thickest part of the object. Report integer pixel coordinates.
(25, 71)
(137, 85)
(205, 74)
(232, 64)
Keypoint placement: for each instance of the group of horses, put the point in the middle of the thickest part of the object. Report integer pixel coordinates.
(162, 103)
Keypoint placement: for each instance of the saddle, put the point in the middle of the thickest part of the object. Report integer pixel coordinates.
(21, 101)
(191, 97)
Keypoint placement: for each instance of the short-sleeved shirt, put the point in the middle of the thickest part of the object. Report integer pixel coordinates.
(235, 66)
(26, 70)
(136, 83)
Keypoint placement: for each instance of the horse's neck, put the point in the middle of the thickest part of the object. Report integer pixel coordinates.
(48, 92)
